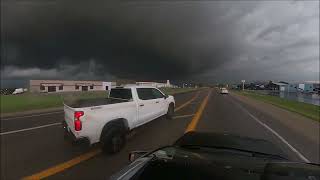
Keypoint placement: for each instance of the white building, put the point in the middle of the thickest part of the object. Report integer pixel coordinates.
(108, 85)
(67, 86)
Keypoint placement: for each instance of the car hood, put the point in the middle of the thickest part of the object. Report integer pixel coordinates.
(225, 140)
(184, 162)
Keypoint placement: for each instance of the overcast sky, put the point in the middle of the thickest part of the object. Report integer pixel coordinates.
(212, 41)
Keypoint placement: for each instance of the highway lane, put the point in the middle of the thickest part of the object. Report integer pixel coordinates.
(25, 153)
(223, 113)
(29, 121)
(226, 114)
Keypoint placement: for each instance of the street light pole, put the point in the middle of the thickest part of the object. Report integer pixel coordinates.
(243, 81)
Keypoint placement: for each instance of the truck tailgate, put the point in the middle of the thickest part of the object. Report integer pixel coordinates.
(69, 116)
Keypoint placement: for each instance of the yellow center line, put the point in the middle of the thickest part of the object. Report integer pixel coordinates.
(63, 166)
(68, 164)
(193, 124)
(183, 116)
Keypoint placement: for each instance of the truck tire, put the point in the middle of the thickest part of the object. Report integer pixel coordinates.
(113, 139)
(170, 112)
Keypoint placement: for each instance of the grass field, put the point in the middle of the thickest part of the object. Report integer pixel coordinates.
(32, 101)
(36, 101)
(307, 110)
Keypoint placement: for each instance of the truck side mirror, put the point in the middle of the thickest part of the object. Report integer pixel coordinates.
(166, 96)
(133, 155)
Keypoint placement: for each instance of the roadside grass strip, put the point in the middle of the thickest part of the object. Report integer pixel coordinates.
(308, 110)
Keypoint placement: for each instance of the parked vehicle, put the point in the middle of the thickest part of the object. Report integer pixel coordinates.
(107, 120)
(201, 155)
(224, 91)
(19, 91)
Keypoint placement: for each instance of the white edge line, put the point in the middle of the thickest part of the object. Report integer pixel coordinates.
(281, 138)
(29, 129)
(276, 134)
(36, 115)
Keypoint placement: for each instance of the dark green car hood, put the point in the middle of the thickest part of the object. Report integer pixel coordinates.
(229, 141)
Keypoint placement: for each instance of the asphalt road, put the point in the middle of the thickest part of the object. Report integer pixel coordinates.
(41, 144)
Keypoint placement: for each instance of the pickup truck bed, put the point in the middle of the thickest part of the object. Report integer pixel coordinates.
(82, 103)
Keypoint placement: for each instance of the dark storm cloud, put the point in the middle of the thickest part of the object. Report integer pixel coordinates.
(158, 40)
(128, 39)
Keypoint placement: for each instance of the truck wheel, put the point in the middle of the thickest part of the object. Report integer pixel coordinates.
(170, 111)
(113, 139)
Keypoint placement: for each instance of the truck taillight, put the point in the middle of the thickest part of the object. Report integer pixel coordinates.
(77, 121)
(77, 125)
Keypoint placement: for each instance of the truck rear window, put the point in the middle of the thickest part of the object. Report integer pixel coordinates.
(121, 93)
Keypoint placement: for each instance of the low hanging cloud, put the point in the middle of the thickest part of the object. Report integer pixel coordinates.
(84, 70)
(204, 41)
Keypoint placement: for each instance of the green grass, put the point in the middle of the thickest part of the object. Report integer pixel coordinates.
(307, 110)
(36, 101)
(33, 101)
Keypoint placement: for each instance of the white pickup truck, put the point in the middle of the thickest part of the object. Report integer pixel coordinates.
(107, 120)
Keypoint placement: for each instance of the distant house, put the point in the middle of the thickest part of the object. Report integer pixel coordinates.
(285, 87)
(291, 88)
(273, 86)
(281, 86)
(305, 87)
(309, 86)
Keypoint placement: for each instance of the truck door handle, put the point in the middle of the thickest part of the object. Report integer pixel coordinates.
(141, 105)
(157, 101)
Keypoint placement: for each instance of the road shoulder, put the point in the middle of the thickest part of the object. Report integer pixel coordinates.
(298, 123)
